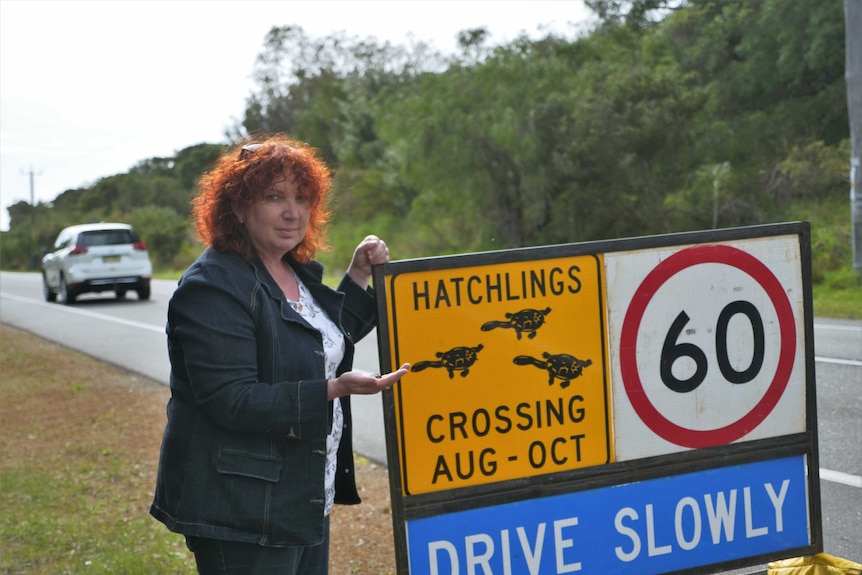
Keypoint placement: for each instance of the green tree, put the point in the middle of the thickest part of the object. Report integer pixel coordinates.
(31, 229)
(772, 75)
(327, 93)
(547, 142)
(163, 230)
(190, 163)
(634, 14)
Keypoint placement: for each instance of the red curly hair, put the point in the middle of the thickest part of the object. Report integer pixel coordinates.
(242, 174)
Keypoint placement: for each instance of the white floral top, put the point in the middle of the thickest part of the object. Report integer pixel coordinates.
(333, 349)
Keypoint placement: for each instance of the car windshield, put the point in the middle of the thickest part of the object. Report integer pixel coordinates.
(106, 238)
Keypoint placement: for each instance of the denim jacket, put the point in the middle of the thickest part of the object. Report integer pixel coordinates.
(244, 449)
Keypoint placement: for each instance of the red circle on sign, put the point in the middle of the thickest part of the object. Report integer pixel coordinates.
(663, 427)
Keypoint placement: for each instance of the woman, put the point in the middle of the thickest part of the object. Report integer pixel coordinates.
(257, 446)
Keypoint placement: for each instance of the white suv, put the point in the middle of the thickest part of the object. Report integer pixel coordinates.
(96, 258)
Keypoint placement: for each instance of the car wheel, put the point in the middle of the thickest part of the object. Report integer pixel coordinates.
(66, 292)
(50, 295)
(143, 292)
(121, 294)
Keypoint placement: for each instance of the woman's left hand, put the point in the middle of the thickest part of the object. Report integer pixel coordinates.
(371, 251)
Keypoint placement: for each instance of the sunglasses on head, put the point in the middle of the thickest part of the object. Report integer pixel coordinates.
(248, 149)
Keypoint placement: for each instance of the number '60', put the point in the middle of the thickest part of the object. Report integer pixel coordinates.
(672, 351)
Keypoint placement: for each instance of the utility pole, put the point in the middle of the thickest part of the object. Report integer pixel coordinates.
(853, 77)
(30, 252)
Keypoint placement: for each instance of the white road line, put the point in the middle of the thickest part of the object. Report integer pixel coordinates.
(841, 477)
(852, 362)
(90, 314)
(838, 327)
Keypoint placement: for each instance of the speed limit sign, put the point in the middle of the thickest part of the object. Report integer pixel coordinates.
(709, 345)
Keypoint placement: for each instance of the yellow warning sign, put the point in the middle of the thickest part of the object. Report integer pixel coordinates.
(509, 376)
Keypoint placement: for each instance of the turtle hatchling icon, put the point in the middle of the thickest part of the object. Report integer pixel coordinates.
(561, 366)
(525, 321)
(456, 359)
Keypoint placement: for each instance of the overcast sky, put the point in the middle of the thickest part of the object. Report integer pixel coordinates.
(88, 89)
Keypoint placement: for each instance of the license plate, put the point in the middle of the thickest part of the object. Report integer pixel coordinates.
(110, 259)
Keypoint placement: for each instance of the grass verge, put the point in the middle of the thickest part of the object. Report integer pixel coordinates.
(77, 465)
(78, 457)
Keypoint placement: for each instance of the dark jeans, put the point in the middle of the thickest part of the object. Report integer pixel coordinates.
(214, 557)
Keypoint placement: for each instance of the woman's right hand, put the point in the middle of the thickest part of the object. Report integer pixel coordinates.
(357, 383)
(371, 251)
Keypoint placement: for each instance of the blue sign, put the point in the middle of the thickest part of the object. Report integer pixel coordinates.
(648, 527)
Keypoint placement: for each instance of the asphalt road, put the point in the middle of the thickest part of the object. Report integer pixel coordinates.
(130, 334)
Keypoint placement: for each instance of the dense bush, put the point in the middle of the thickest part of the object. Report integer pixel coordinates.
(665, 117)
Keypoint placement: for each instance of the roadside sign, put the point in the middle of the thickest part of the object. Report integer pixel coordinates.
(640, 405)
(710, 345)
(508, 371)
